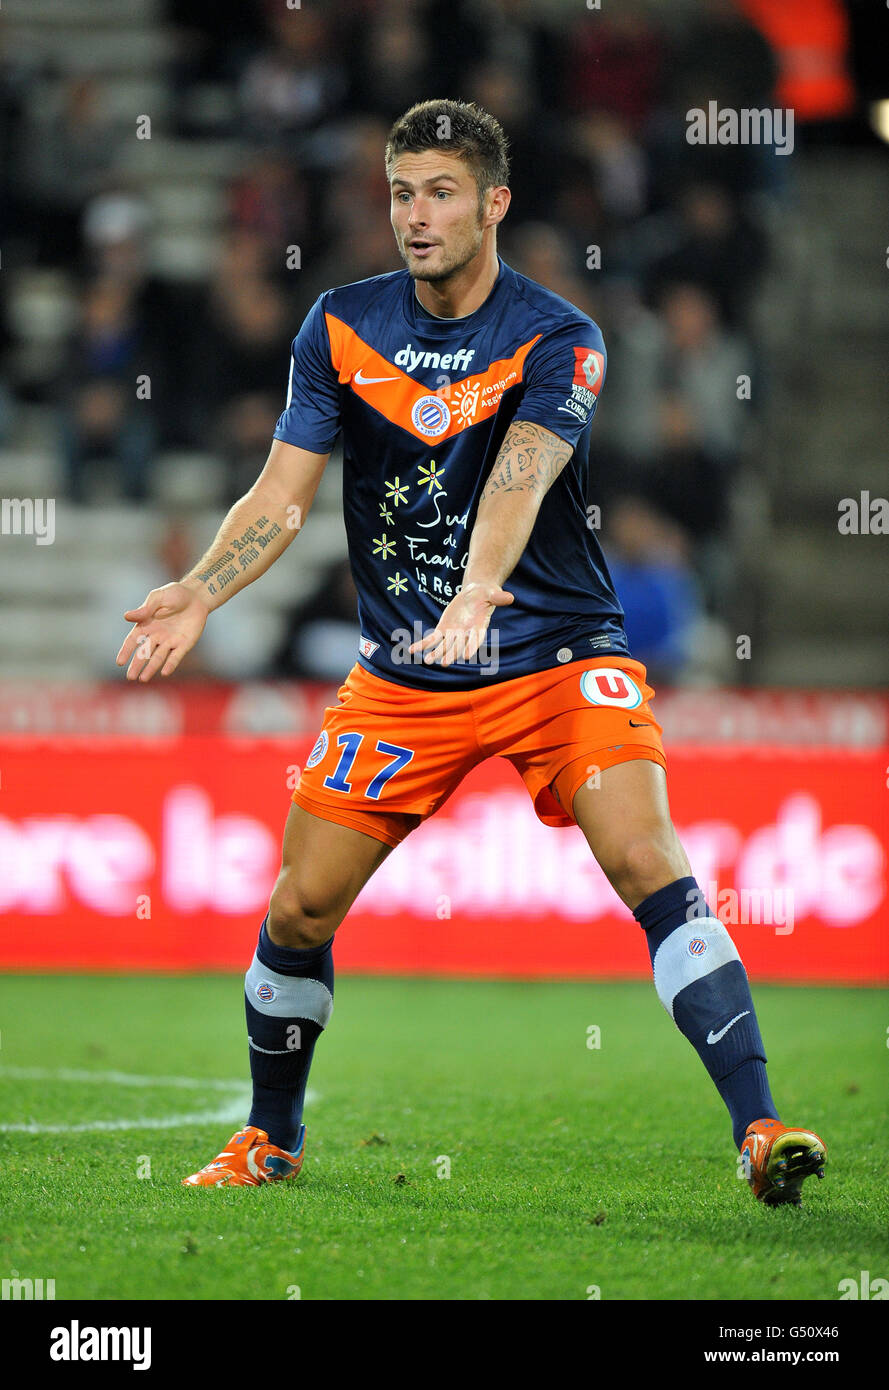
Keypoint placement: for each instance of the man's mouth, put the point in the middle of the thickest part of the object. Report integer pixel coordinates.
(421, 247)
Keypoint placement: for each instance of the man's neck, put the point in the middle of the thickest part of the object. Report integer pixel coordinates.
(464, 292)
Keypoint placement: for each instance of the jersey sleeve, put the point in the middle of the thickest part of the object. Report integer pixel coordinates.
(563, 378)
(311, 416)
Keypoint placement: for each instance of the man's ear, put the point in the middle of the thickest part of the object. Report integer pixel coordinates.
(497, 202)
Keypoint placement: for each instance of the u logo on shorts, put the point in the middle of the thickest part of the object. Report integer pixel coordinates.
(608, 685)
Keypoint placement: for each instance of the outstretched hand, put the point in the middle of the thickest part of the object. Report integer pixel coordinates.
(462, 626)
(167, 625)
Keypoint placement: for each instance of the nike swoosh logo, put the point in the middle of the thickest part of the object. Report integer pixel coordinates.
(363, 380)
(714, 1037)
(643, 725)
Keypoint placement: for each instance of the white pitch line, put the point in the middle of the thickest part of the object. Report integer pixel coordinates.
(116, 1078)
(234, 1110)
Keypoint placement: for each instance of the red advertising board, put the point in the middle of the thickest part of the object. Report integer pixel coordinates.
(134, 854)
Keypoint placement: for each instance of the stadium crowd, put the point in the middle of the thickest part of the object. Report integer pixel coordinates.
(660, 241)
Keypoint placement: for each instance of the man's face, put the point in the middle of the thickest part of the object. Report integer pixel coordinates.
(435, 213)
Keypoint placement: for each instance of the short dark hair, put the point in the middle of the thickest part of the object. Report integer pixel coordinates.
(460, 127)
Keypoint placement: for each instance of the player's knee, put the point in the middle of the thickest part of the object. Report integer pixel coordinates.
(298, 917)
(644, 864)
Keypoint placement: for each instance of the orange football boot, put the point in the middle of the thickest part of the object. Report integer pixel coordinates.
(776, 1159)
(248, 1159)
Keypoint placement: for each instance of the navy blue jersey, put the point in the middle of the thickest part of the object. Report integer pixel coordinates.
(424, 404)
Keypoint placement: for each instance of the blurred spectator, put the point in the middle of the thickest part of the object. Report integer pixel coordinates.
(459, 31)
(683, 352)
(648, 558)
(357, 239)
(615, 64)
(101, 414)
(702, 363)
(544, 253)
(270, 200)
(7, 404)
(709, 241)
(238, 364)
(718, 56)
(514, 36)
(16, 79)
(115, 224)
(67, 148)
(617, 164)
(357, 192)
(295, 81)
(116, 228)
(723, 57)
(537, 141)
(321, 638)
(394, 69)
(363, 246)
(578, 210)
(210, 37)
(687, 481)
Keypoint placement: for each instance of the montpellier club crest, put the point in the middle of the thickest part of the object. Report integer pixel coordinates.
(430, 416)
(318, 751)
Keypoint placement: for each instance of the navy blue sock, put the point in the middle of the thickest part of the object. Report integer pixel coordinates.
(703, 986)
(289, 998)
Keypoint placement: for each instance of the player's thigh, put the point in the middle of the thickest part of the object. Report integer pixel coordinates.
(324, 866)
(626, 820)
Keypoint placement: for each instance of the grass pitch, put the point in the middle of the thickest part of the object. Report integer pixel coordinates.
(572, 1168)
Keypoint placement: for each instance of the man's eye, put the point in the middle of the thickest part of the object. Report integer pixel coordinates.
(442, 193)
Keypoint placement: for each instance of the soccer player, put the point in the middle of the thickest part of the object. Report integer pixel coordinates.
(465, 393)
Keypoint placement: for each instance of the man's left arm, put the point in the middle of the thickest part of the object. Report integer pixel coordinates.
(527, 464)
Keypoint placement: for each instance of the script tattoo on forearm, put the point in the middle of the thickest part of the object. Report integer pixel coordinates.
(530, 460)
(245, 549)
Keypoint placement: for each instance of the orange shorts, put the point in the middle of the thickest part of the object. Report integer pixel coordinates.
(388, 751)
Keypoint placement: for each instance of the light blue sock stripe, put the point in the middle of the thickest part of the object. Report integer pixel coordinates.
(287, 996)
(693, 950)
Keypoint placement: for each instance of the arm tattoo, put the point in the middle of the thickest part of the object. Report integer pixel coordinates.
(245, 548)
(530, 460)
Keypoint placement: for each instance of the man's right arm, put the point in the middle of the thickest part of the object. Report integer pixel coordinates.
(256, 531)
(260, 526)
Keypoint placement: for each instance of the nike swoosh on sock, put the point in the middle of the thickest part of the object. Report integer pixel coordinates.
(715, 1037)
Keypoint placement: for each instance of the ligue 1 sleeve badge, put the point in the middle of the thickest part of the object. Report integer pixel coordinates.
(318, 751)
(589, 366)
